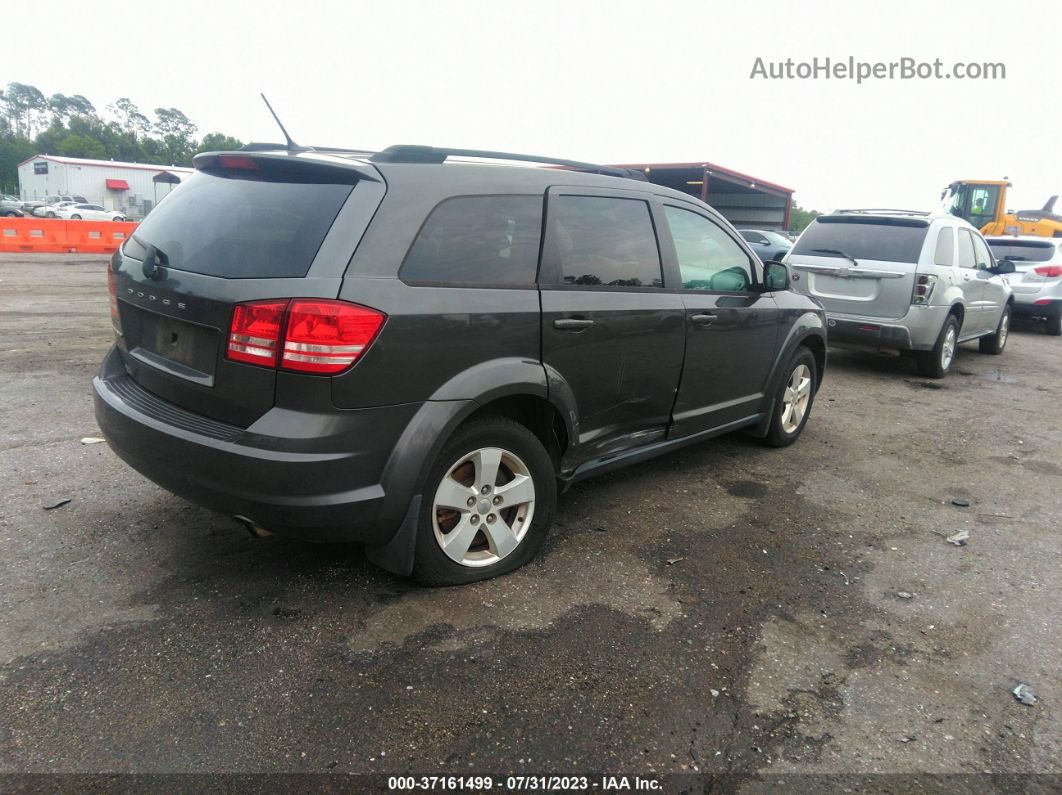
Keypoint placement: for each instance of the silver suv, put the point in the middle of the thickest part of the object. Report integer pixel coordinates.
(906, 281)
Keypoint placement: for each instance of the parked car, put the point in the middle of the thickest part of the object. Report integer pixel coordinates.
(365, 348)
(769, 246)
(10, 206)
(53, 210)
(35, 206)
(907, 281)
(1037, 277)
(88, 212)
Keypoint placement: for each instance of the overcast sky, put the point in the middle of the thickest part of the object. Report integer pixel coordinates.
(607, 82)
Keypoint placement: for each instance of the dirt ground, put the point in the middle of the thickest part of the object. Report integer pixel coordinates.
(730, 610)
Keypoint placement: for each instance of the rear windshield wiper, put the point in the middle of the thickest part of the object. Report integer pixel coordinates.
(839, 253)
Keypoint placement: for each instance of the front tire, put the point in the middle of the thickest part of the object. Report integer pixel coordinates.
(75, 217)
(488, 504)
(937, 362)
(793, 401)
(995, 343)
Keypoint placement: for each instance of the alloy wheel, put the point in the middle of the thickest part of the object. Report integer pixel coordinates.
(947, 350)
(1004, 329)
(796, 398)
(483, 507)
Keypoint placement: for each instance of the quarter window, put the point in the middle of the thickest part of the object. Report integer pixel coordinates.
(491, 241)
(945, 254)
(604, 241)
(709, 259)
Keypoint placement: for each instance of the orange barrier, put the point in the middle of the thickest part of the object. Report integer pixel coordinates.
(53, 234)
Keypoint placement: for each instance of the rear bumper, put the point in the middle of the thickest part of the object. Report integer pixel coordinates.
(1026, 305)
(916, 331)
(316, 476)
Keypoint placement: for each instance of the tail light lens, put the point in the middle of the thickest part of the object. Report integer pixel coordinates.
(112, 289)
(327, 336)
(311, 335)
(254, 336)
(923, 288)
(1049, 271)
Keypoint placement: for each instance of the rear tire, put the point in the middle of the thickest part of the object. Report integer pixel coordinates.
(995, 343)
(75, 217)
(937, 362)
(494, 535)
(793, 400)
(1054, 324)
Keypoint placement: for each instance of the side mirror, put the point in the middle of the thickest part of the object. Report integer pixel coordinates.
(775, 276)
(1004, 266)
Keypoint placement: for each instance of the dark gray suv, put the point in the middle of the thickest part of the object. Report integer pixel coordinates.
(417, 355)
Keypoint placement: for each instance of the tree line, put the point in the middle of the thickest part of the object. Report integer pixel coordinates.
(32, 123)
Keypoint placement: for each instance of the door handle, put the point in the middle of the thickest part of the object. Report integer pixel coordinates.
(702, 320)
(572, 323)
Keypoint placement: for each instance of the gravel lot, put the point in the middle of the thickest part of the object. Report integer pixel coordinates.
(730, 609)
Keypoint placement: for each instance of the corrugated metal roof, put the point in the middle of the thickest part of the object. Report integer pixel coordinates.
(82, 161)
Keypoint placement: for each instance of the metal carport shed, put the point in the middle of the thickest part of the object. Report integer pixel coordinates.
(747, 202)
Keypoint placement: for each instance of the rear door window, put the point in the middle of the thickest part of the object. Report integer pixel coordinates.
(967, 258)
(605, 241)
(708, 258)
(486, 241)
(240, 228)
(887, 239)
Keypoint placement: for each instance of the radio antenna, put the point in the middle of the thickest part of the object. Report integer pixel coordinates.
(292, 146)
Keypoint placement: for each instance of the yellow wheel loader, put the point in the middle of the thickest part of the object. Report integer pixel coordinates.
(983, 202)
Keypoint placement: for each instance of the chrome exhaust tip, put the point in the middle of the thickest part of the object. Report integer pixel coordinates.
(256, 531)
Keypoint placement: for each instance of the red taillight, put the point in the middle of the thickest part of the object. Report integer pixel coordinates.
(237, 161)
(112, 289)
(327, 336)
(254, 336)
(1049, 271)
(313, 335)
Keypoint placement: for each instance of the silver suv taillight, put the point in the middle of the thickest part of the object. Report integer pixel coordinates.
(923, 288)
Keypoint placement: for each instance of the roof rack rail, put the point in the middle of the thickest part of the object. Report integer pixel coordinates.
(410, 153)
(884, 211)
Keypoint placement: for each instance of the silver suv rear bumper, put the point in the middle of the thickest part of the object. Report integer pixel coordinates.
(916, 331)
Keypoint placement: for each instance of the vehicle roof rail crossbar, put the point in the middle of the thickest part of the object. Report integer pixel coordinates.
(407, 153)
(883, 211)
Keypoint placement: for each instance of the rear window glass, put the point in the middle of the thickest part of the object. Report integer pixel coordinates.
(241, 228)
(888, 239)
(606, 242)
(478, 240)
(1019, 250)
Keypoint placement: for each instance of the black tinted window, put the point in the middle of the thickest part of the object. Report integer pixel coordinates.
(1019, 250)
(241, 228)
(889, 239)
(605, 241)
(486, 240)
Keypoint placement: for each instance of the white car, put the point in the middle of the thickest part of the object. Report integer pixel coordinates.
(1037, 277)
(88, 212)
(52, 210)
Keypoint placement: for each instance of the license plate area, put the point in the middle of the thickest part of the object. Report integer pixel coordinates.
(187, 350)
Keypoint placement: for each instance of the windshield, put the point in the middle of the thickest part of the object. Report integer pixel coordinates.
(774, 237)
(887, 239)
(241, 228)
(1019, 250)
